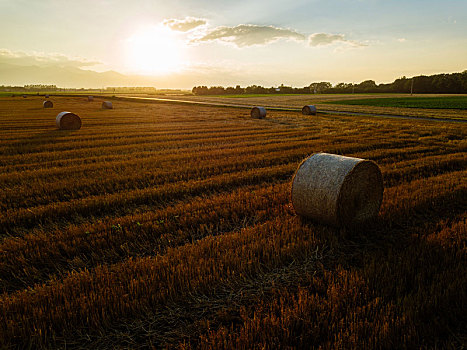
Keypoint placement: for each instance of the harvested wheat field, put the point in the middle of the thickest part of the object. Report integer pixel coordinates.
(157, 225)
(339, 103)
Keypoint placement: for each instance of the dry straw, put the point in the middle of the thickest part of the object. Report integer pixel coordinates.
(90, 98)
(48, 104)
(258, 112)
(68, 121)
(309, 110)
(107, 105)
(337, 190)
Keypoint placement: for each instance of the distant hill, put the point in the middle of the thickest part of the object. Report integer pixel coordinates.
(11, 74)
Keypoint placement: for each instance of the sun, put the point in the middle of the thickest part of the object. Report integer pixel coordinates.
(154, 51)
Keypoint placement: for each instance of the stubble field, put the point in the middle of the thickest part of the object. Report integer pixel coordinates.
(167, 225)
(375, 103)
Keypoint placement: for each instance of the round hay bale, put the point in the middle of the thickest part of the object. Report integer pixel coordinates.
(48, 104)
(337, 190)
(107, 105)
(309, 110)
(68, 121)
(90, 98)
(258, 112)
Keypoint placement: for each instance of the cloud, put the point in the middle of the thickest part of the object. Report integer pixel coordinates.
(184, 25)
(320, 39)
(249, 34)
(42, 60)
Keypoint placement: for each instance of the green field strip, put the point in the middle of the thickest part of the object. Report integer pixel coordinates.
(450, 102)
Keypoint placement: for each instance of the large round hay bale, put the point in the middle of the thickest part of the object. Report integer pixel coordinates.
(90, 98)
(309, 110)
(337, 190)
(68, 121)
(107, 105)
(48, 104)
(258, 112)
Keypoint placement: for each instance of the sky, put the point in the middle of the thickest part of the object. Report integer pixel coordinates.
(185, 43)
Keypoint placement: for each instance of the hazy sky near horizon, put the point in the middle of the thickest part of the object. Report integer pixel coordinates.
(182, 43)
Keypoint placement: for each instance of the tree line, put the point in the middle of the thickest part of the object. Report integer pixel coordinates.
(455, 83)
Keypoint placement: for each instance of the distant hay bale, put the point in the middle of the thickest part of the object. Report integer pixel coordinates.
(68, 121)
(309, 110)
(48, 104)
(107, 105)
(25, 96)
(337, 190)
(258, 112)
(90, 98)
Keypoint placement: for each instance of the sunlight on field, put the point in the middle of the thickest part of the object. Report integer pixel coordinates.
(343, 103)
(157, 225)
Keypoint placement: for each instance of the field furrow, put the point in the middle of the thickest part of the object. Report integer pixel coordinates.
(161, 226)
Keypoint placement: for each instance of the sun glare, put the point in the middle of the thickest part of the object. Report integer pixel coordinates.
(154, 51)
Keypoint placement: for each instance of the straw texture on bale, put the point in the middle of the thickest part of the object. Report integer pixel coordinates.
(68, 121)
(258, 112)
(48, 104)
(309, 110)
(90, 98)
(107, 105)
(337, 190)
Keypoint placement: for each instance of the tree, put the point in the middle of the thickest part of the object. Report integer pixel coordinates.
(318, 88)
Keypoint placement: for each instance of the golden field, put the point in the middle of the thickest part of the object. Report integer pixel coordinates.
(161, 225)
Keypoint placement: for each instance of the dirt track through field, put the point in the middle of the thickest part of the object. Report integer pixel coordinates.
(216, 104)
